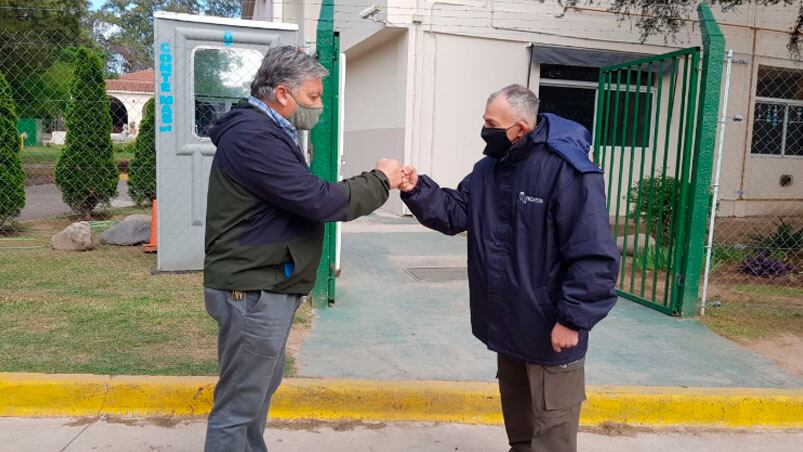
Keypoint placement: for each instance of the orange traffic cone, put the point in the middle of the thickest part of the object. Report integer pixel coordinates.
(150, 247)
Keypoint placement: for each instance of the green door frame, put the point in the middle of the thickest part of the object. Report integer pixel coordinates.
(324, 144)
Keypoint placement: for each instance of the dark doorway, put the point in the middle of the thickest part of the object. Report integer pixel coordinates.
(119, 115)
(575, 103)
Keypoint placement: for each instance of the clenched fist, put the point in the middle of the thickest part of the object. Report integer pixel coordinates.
(392, 170)
(409, 179)
(564, 338)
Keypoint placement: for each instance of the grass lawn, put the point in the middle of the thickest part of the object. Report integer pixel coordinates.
(101, 311)
(756, 311)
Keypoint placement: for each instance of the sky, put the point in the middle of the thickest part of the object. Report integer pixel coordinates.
(96, 4)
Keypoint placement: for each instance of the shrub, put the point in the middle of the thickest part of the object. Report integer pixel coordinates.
(766, 266)
(12, 178)
(658, 207)
(123, 148)
(86, 173)
(142, 173)
(773, 252)
(728, 254)
(782, 243)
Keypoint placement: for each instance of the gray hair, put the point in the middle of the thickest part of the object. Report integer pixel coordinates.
(287, 66)
(523, 103)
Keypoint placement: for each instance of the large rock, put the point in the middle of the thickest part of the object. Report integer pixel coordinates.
(631, 242)
(75, 237)
(138, 217)
(127, 233)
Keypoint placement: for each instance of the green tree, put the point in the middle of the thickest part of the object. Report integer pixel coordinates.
(12, 178)
(86, 173)
(125, 28)
(32, 38)
(142, 174)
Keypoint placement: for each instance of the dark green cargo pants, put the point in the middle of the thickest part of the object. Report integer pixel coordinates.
(541, 404)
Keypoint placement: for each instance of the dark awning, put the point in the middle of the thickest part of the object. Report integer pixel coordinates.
(572, 56)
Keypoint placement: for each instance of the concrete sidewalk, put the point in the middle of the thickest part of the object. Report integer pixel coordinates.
(388, 324)
(166, 434)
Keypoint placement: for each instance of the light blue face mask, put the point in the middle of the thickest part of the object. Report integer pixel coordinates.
(304, 118)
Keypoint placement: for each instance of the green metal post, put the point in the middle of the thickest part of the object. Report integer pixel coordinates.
(674, 256)
(333, 160)
(707, 120)
(603, 128)
(659, 245)
(681, 205)
(324, 146)
(599, 114)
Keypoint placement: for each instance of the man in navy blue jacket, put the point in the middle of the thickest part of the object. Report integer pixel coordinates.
(542, 263)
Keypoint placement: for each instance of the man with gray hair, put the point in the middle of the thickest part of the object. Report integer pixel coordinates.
(264, 236)
(542, 264)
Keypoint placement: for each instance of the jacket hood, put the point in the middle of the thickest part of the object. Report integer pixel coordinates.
(231, 119)
(566, 138)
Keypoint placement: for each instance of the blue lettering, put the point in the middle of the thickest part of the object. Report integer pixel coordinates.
(228, 38)
(165, 73)
(167, 114)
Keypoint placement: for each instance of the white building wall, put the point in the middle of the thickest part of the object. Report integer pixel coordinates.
(460, 51)
(462, 82)
(375, 107)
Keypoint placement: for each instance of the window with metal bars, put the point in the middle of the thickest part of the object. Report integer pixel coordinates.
(571, 92)
(778, 113)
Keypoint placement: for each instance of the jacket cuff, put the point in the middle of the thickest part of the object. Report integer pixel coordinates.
(564, 320)
(367, 192)
(412, 193)
(382, 177)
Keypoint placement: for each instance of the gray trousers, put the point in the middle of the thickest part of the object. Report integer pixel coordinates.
(252, 335)
(541, 404)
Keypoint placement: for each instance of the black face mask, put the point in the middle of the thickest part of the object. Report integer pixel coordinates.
(497, 142)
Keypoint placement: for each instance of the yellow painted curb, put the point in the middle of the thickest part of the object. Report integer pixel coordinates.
(34, 395)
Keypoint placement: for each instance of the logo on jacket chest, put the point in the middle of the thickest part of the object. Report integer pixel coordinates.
(524, 198)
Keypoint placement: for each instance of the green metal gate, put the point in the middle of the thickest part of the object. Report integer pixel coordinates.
(656, 121)
(324, 145)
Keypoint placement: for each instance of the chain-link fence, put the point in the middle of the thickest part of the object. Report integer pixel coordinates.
(757, 255)
(70, 130)
(77, 173)
(78, 291)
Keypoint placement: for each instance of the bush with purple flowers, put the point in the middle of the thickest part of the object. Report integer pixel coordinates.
(766, 266)
(775, 251)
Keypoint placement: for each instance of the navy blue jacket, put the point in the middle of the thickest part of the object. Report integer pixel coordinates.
(540, 248)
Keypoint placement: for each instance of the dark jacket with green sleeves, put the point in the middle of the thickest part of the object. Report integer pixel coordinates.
(266, 211)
